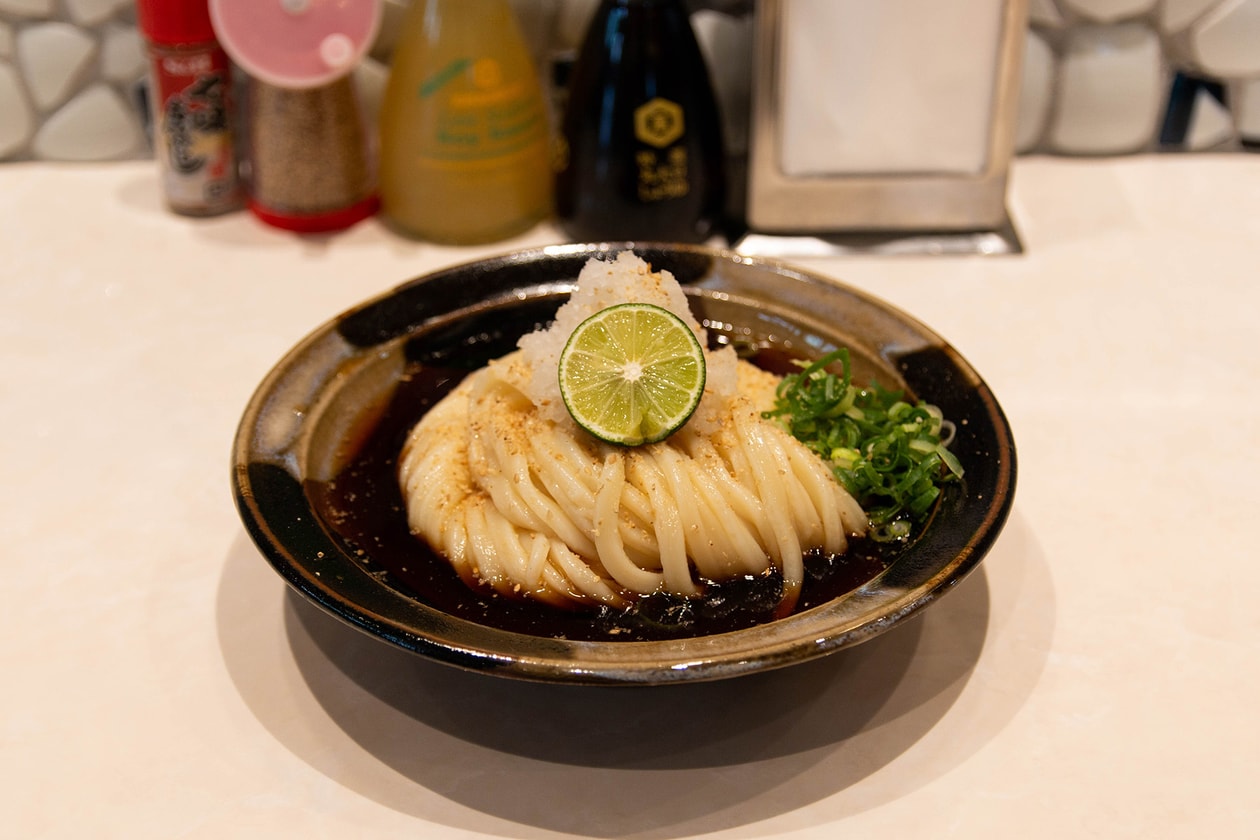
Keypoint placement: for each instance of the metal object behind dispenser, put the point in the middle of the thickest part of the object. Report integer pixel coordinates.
(864, 199)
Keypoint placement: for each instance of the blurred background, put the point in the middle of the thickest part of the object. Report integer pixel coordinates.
(1095, 77)
(1099, 76)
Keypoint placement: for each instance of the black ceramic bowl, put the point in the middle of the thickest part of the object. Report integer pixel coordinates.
(324, 404)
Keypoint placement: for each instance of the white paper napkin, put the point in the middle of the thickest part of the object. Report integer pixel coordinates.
(887, 86)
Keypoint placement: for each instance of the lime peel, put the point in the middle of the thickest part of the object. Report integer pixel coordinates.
(632, 374)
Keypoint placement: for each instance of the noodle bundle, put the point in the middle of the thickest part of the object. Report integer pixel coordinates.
(516, 497)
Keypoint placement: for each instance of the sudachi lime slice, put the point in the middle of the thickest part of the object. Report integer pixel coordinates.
(632, 374)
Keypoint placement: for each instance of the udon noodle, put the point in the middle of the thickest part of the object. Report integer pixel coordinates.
(502, 483)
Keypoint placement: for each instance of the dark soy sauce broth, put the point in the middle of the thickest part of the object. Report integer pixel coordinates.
(364, 508)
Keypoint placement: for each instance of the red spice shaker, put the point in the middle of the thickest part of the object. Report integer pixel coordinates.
(190, 95)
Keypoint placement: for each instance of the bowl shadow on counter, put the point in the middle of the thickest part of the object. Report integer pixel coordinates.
(671, 727)
(473, 750)
(650, 756)
(759, 731)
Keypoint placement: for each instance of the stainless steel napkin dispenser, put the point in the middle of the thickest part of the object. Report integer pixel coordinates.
(896, 115)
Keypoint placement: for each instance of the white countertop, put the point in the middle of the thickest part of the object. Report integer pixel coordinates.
(1096, 677)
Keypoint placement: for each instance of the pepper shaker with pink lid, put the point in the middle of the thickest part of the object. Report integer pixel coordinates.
(309, 160)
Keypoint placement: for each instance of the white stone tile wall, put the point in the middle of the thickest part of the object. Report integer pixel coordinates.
(1108, 77)
(70, 76)
(1100, 76)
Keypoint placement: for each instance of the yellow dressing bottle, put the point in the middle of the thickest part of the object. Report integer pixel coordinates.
(465, 136)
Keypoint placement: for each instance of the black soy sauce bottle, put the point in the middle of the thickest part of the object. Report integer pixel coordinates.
(641, 154)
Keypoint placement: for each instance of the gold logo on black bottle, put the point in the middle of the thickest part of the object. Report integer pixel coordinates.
(658, 122)
(662, 174)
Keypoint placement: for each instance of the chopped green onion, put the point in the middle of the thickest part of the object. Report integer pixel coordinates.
(890, 454)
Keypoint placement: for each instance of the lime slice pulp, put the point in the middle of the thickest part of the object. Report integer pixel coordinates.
(632, 374)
